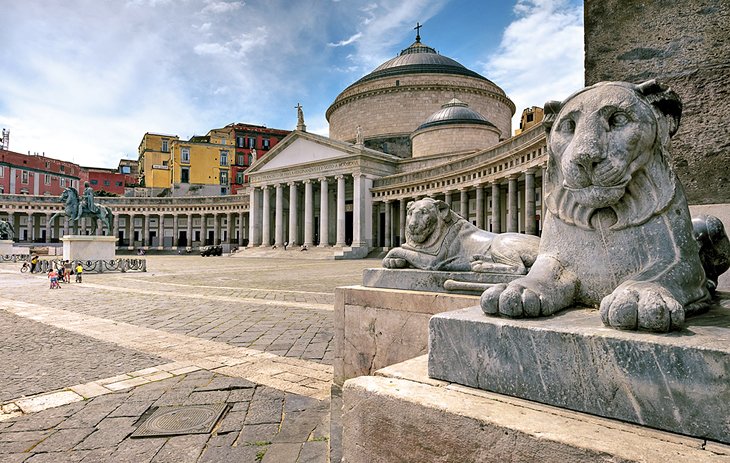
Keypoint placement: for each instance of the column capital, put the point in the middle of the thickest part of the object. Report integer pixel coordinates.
(307, 181)
(530, 170)
(278, 185)
(513, 176)
(291, 184)
(339, 176)
(322, 179)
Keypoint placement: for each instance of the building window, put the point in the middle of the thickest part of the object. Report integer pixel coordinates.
(94, 182)
(223, 141)
(126, 170)
(165, 146)
(185, 175)
(62, 182)
(239, 178)
(251, 143)
(2, 171)
(240, 160)
(529, 117)
(23, 191)
(185, 155)
(266, 143)
(48, 164)
(24, 176)
(240, 142)
(119, 183)
(2, 189)
(47, 179)
(62, 168)
(224, 157)
(106, 183)
(224, 177)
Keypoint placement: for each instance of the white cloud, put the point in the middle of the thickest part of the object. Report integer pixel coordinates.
(348, 41)
(221, 7)
(540, 56)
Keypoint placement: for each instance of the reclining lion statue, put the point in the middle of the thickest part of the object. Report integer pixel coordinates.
(439, 239)
(617, 231)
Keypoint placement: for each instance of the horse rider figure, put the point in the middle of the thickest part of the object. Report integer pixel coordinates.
(87, 201)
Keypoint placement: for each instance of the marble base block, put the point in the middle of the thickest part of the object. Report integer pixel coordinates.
(426, 280)
(679, 382)
(6, 247)
(400, 415)
(88, 247)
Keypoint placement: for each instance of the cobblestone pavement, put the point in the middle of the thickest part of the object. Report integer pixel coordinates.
(253, 333)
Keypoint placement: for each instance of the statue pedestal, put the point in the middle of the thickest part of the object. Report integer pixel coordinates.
(85, 247)
(6, 247)
(677, 382)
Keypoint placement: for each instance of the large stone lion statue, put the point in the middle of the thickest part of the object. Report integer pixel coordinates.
(439, 239)
(617, 231)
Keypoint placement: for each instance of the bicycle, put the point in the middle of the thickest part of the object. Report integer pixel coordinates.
(25, 268)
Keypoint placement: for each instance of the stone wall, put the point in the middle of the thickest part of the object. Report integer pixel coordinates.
(450, 138)
(685, 44)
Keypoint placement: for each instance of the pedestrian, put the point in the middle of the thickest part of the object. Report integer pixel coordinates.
(79, 271)
(68, 269)
(53, 276)
(33, 263)
(286, 243)
(61, 274)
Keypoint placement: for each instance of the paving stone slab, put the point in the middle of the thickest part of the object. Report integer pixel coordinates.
(677, 381)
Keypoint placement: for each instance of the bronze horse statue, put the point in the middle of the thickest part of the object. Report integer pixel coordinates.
(72, 202)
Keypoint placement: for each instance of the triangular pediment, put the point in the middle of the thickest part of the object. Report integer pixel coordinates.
(301, 151)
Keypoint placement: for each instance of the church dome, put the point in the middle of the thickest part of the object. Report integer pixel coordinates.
(391, 102)
(455, 112)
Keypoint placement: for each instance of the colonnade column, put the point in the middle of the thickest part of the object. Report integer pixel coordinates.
(530, 218)
(265, 218)
(130, 230)
(308, 214)
(241, 228)
(293, 214)
(323, 212)
(279, 216)
(388, 227)
(496, 209)
(512, 218)
(402, 219)
(145, 230)
(464, 203)
(480, 206)
(447, 199)
(203, 229)
(189, 230)
(161, 230)
(341, 221)
(175, 229)
(115, 228)
(231, 218)
(48, 227)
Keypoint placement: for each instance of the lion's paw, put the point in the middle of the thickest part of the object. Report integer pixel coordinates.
(395, 262)
(514, 300)
(643, 306)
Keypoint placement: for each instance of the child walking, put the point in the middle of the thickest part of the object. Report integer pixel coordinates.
(53, 276)
(79, 271)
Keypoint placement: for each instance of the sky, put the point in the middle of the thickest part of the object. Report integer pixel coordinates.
(84, 80)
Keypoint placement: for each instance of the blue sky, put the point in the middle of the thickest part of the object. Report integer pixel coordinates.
(83, 80)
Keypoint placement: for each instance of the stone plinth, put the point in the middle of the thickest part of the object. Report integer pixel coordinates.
(403, 416)
(6, 247)
(427, 280)
(87, 247)
(679, 382)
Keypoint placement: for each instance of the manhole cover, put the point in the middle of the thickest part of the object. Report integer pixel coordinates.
(181, 419)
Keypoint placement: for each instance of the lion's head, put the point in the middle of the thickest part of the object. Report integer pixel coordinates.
(426, 222)
(608, 148)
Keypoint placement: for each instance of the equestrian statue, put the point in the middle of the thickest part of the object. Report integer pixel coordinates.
(85, 206)
(6, 230)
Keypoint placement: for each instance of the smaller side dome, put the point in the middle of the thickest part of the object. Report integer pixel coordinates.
(455, 112)
(454, 128)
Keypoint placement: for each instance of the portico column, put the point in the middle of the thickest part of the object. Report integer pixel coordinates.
(279, 217)
(189, 230)
(530, 219)
(175, 230)
(323, 212)
(130, 230)
(480, 206)
(254, 218)
(145, 230)
(403, 206)
(241, 228)
(231, 222)
(496, 212)
(293, 214)
(217, 234)
(48, 228)
(115, 228)
(265, 218)
(388, 231)
(512, 219)
(308, 214)
(464, 203)
(341, 222)
(447, 198)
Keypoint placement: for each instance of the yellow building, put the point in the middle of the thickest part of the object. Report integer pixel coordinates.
(530, 118)
(201, 165)
(154, 161)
